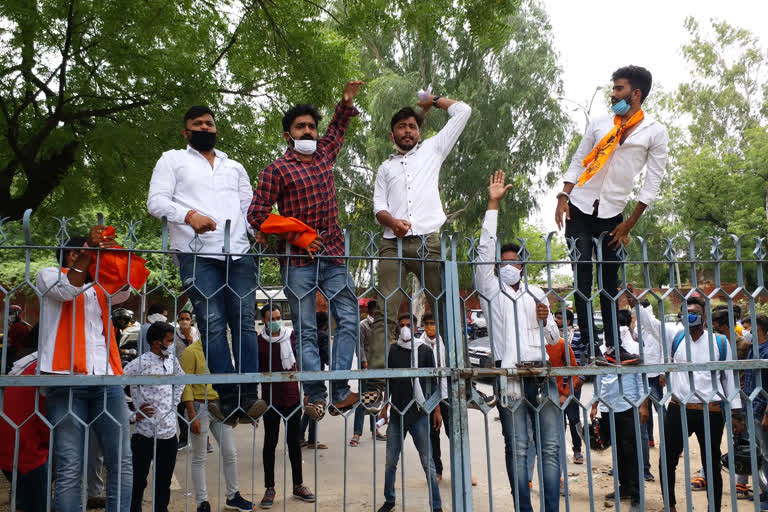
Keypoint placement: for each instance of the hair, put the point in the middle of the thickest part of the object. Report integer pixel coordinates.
(267, 310)
(321, 318)
(696, 301)
(156, 308)
(638, 78)
(403, 316)
(510, 247)
(427, 317)
(157, 331)
(184, 311)
(302, 109)
(372, 304)
(569, 316)
(720, 316)
(624, 317)
(645, 302)
(762, 323)
(746, 319)
(73, 243)
(405, 113)
(197, 111)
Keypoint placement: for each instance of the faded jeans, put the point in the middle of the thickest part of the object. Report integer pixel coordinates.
(198, 443)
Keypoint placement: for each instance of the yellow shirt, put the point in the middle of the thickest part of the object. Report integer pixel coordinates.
(193, 363)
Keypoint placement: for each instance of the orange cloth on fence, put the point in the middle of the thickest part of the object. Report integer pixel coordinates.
(114, 268)
(596, 158)
(556, 355)
(63, 359)
(280, 224)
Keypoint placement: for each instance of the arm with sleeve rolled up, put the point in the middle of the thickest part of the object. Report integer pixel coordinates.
(160, 201)
(53, 284)
(399, 227)
(344, 111)
(264, 196)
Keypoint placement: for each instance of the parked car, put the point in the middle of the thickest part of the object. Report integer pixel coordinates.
(479, 353)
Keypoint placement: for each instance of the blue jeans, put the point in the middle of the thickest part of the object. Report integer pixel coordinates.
(419, 431)
(335, 283)
(109, 420)
(223, 293)
(516, 420)
(357, 427)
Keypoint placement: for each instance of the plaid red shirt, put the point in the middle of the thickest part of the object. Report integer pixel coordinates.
(306, 190)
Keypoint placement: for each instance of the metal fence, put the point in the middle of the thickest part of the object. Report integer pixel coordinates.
(351, 478)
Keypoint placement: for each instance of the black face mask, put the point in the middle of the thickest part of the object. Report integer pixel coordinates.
(202, 141)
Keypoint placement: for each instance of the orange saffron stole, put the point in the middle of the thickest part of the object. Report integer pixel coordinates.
(596, 158)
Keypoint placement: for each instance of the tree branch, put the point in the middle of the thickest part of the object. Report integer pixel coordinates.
(101, 112)
(356, 194)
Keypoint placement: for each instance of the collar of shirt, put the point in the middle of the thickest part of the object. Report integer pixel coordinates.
(645, 147)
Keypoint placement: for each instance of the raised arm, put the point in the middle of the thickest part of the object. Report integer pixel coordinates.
(459, 113)
(345, 110)
(487, 282)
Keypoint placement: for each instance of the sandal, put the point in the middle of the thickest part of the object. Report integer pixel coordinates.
(698, 483)
(743, 492)
(317, 446)
(381, 437)
(355, 441)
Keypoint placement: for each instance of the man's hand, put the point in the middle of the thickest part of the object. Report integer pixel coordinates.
(563, 210)
(577, 383)
(259, 237)
(201, 224)
(350, 91)
(631, 300)
(364, 365)
(593, 413)
(437, 419)
(542, 312)
(194, 427)
(644, 413)
(401, 227)
(496, 189)
(620, 235)
(662, 380)
(147, 410)
(425, 103)
(96, 238)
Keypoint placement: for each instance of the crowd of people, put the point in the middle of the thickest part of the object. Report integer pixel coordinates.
(199, 189)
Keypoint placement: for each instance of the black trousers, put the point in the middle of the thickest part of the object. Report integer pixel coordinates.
(143, 453)
(583, 227)
(673, 437)
(272, 422)
(626, 454)
(434, 437)
(573, 415)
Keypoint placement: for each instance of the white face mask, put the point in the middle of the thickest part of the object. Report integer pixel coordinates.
(405, 333)
(305, 147)
(510, 275)
(157, 317)
(166, 351)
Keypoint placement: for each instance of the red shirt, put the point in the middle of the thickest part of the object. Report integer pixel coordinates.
(306, 190)
(556, 355)
(280, 394)
(18, 405)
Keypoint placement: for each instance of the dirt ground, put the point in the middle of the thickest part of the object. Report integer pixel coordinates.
(324, 473)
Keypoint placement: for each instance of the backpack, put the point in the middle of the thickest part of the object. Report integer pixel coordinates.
(719, 338)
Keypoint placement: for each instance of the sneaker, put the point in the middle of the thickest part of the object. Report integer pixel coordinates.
(303, 493)
(223, 411)
(388, 506)
(96, 502)
(239, 503)
(611, 496)
(204, 506)
(269, 497)
(649, 477)
(578, 458)
(372, 401)
(182, 445)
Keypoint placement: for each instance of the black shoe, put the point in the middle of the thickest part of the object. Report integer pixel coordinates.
(253, 408)
(181, 445)
(223, 411)
(204, 506)
(387, 507)
(611, 496)
(269, 498)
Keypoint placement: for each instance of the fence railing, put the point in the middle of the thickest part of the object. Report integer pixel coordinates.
(480, 323)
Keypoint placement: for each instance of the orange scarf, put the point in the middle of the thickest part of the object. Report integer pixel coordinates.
(596, 158)
(280, 224)
(65, 345)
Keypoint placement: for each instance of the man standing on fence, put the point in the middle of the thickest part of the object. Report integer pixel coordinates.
(715, 386)
(77, 337)
(406, 202)
(597, 186)
(524, 321)
(198, 189)
(301, 183)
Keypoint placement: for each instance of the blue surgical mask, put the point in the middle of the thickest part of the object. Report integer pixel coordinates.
(275, 325)
(622, 107)
(694, 319)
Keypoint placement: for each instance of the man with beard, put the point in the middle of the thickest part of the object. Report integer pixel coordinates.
(406, 202)
(597, 185)
(198, 189)
(301, 183)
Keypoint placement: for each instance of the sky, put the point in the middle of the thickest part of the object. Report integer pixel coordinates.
(595, 37)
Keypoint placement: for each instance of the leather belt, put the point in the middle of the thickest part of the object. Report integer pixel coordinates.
(533, 364)
(712, 407)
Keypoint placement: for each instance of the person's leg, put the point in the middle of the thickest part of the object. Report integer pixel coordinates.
(432, 280)
(183, 426)
(68, 443)
(574, 422)
(241, 316)
(301, 285)
(165, 462)
(312, 432)
(225, 437)
(357, 425)
(645, 448)
(113, 430)
(419, 431)
(549, 420)
(627, 450)
(271, 435)
(578, 229)
(293, 440)
(672, 449)
(204, 280)
(142, 448)
(716, 426)
(95, 466)
(609, 272)
(31, 489)
(434, 438)
(394, 447)
(385, 322)
(337, 285)
(198, 452)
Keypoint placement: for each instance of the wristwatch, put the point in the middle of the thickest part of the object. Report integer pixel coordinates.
(434, 100)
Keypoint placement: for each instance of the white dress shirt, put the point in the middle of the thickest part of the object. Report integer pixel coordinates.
(163, 398)
(679, 384)
(516, 308)
(438, 349)
(184, 180)
(56, 289)
(407, 185)
(650, 327)
(645, 146)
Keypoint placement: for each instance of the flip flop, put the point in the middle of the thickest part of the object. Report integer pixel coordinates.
(355, 441)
